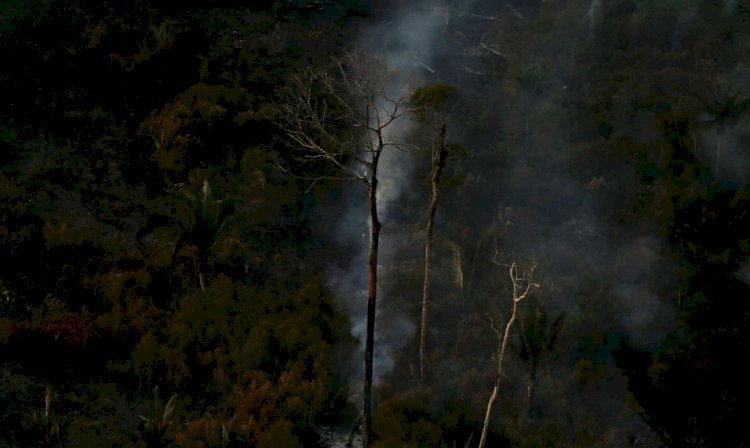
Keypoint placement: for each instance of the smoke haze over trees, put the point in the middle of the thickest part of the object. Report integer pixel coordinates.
(176, 275)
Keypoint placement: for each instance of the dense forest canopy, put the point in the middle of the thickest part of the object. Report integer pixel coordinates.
(179, 272)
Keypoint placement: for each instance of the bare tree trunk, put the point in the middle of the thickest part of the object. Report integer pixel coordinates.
(202, 282)
(498, 375)
(458, 267)
(521, 288)
(695, 145)
(311, 113)
(372, 293)
(438, 163)
(47, 408)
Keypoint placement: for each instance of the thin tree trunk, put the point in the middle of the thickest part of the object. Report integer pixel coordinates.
(531, 389)
(499, 374)
(202, 282)
(695, 145)
(474, 261)
(47, 415)
(372, 292)
(458, 267)
(521, 288)
(438, 163)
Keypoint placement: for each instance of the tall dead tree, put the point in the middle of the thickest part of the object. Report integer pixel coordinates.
(439, 154)
(346, 119)
(521, 284)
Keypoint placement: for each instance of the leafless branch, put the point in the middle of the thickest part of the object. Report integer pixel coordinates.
(420, 62)
(521, 287)
(312, 180)
(492, 50)
(342, 118)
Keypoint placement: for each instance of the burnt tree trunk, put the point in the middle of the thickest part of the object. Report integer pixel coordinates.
(439, 154)
(311, 113)
(372, 295)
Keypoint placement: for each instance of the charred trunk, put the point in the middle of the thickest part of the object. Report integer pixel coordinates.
(372, 291)
(438, 163)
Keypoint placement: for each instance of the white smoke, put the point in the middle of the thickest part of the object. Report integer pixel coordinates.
(567, 238)
(405, 42)
(646, 317)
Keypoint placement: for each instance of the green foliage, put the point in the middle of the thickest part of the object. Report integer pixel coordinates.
(155, 426)
(21, 420)
(153, 237)
(532, 77)
(428, 100)
(538, 336)
(402, 422)
(459, 421)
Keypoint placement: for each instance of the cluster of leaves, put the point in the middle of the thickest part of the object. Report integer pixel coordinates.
(151, 244)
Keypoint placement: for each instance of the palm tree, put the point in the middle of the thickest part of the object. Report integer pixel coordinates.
(198, 226)
(725, 109)
(538, 336)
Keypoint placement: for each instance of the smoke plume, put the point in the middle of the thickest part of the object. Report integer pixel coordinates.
(535, 207)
